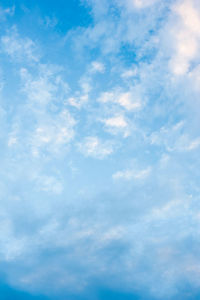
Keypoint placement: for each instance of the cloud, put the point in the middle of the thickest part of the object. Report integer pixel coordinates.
(186, 37)
(141, 3)
(53, 134)
(129, 100)
(45, 87)
(117, 121)
(13, 247)
(132, 174)
(174, 140)
(5, 12)
(113, 23)
(97, 67)
(50, 124)
(94, 147)
(49, 22)
(129, 73)
(116, 125)
(82, 95)
(19, 48)
(126, 100)
(49, 184)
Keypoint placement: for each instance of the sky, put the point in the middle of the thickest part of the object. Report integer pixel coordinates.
(100, 149)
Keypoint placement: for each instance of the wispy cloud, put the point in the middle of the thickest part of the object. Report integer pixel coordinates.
(94, 147)
(132, 174)
(19, 48)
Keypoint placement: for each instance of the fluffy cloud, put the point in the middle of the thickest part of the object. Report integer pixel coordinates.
(129, 100)
(186, 37)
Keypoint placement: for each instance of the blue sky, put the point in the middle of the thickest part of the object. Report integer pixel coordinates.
(100, 149)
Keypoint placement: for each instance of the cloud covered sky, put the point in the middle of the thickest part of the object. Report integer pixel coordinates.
(100, 149)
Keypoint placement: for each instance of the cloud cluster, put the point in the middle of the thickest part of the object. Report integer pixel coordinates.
(100, 153)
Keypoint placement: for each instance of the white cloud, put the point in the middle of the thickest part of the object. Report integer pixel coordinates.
(81, 96)
(107, 97)
(142, 3)
(116, 125)
(19, 48)
(94, 147)
(117, 121)
(51, 126)
(128, 100)
(108, 34)
(53, 133)
(173, 139)
(77, 102)
(132, 174)
(12, 141)
(49, 184)
(12, 247)
(129, 73)
(185, 143)
(44, 88)
(189, 15)
(85, 84)
(97, 67)
(186, 36)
